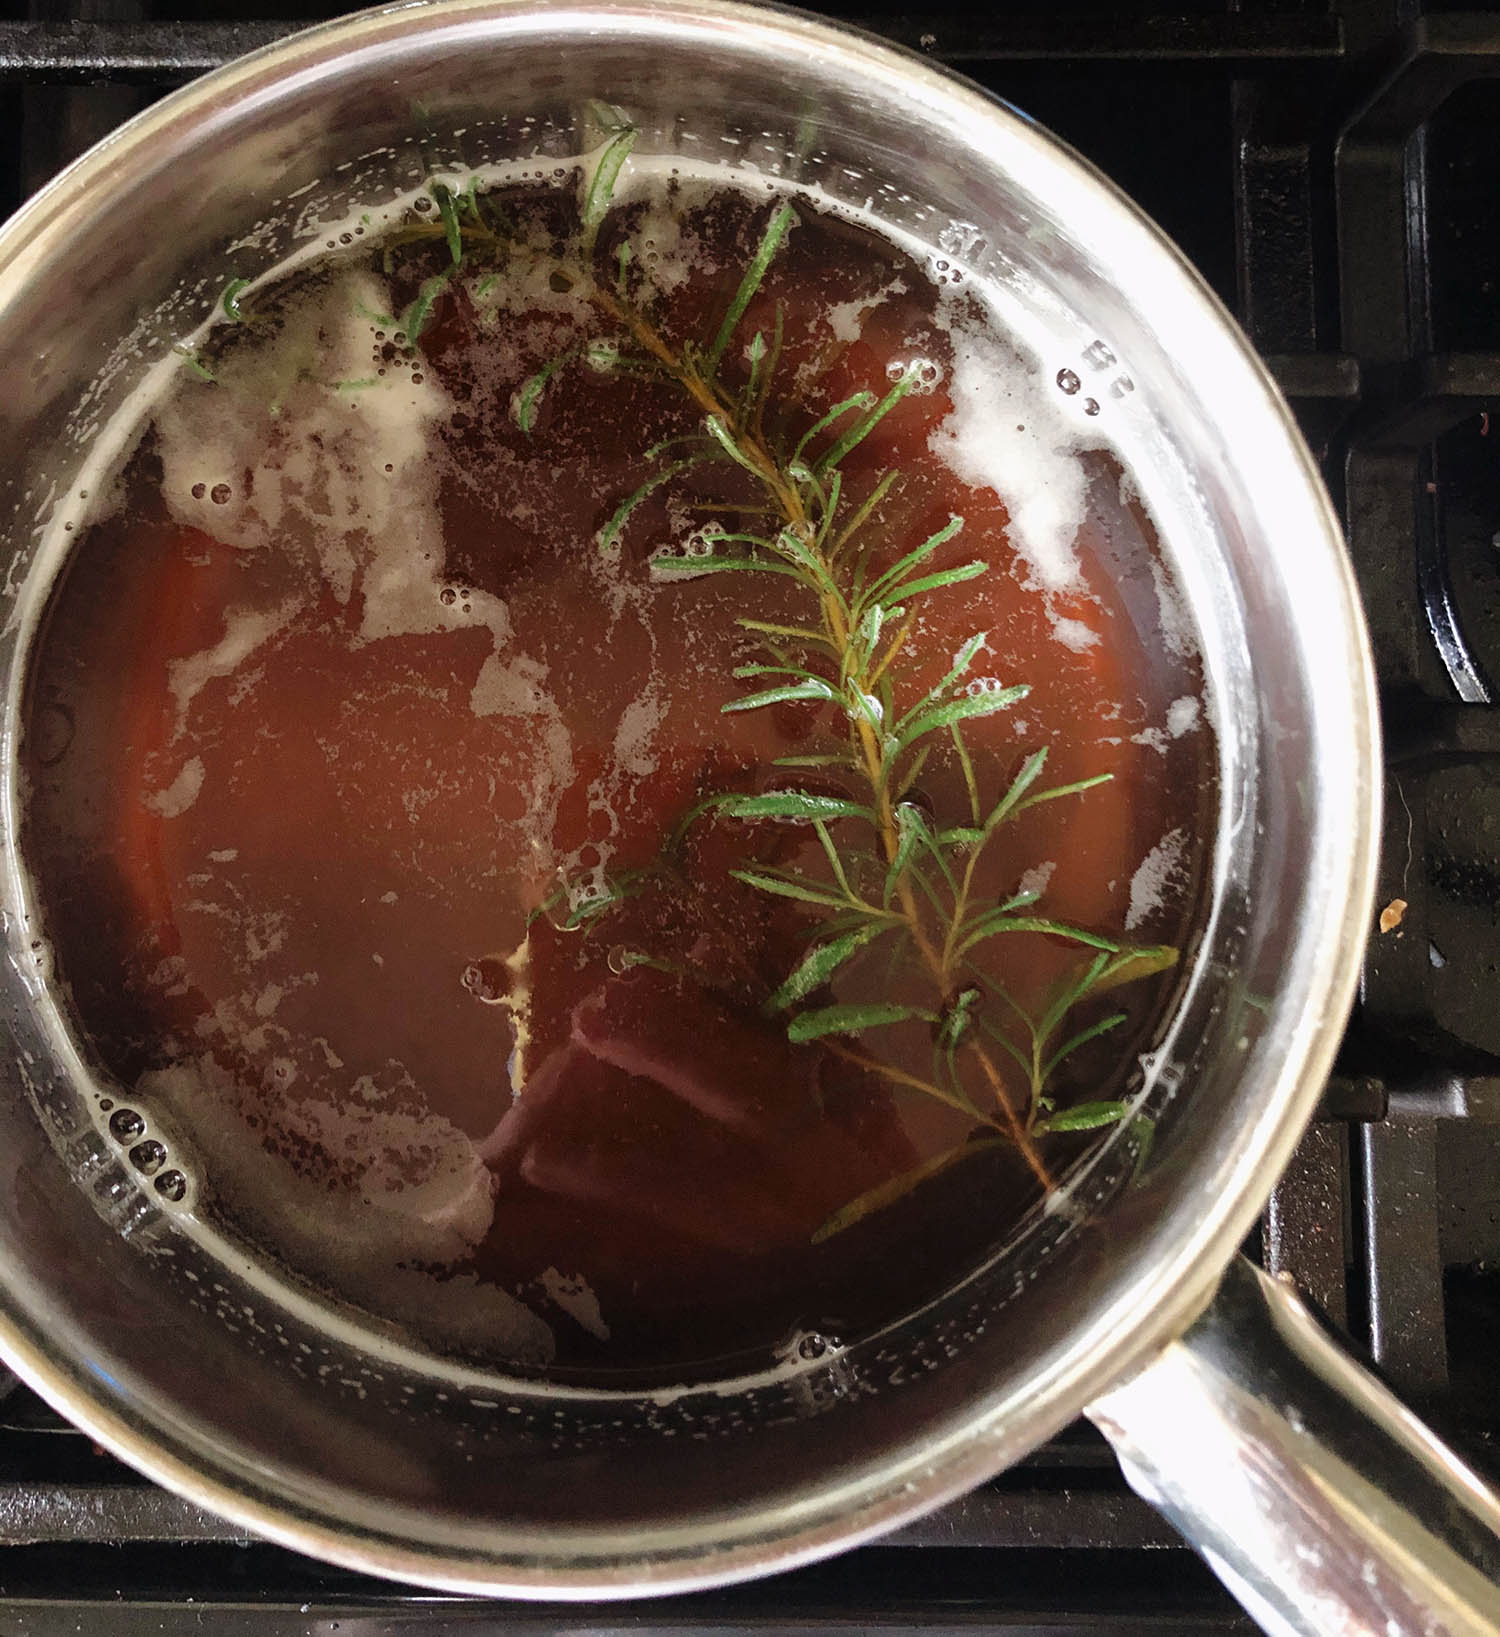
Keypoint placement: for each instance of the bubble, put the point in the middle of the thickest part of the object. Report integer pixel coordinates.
(126, 1124)
(1091, 406)
(813, 1345)
(172, 1185)
(447, 596)
(148, 1156)
(921, 372)
(487, 979)
(199, 490)
(219, 494)
(423, 203)
(982, 685)
(1068, 381)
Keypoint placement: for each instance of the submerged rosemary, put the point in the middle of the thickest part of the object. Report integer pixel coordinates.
(896, 883)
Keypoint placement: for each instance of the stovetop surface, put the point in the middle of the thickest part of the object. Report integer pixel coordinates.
(1333, 171)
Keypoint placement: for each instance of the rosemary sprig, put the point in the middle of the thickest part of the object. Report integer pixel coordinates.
(896, 884)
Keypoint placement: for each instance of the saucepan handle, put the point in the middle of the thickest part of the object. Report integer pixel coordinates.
(1318, 1498)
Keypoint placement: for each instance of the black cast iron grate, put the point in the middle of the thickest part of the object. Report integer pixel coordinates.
(1332, 170)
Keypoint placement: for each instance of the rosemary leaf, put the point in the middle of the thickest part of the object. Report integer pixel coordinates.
(860, 400)
(866, 511)
(996, 921)
(601, 183)
(790, 804)
(1030, 771)
(958, 710)
(820, 963)
(912, 820)
(957, 1021)
(908, 839)
(857, 434)
(933, 582)
(797, 633)
(742, 671)
(812, 688)
(691, 567)
(448, 211)
(897, 571)
(729, 444)
(611, 530)
(194, 362)
(1004, 1041)
(229, 299)
(897, 1188)
(1082, 1038)
(1132, 964)
(827, 1020)
(962, 660)
(770, 243)
(773, 358)
(523, 406)
(840, 759)
(1060, 790)
(414, 319)
(679, 441)
(789, 886)
(1085, 1117)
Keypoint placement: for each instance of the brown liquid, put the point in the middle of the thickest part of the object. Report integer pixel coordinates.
(319, 716)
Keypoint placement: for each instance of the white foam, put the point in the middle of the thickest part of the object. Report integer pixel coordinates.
(573, 1295)
(639, 722)
(405, 1187)
(1183, 715)
(181, 793)
(1003, 434)
(516, 686)
(245, 630)
(1148, 886)
(1037, 877)
(1074, 634)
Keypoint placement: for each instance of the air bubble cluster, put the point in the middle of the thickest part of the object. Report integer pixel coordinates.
(925, 374)
(147, 1153)
(944, 272)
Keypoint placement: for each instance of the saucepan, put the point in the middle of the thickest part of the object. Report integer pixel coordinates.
(1323, 1504)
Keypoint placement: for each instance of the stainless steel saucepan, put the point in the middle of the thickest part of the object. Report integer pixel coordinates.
(1321, 1502)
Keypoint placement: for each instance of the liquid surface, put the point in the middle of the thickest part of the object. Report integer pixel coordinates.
(342, 727)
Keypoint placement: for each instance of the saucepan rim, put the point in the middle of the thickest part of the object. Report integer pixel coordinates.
(1162, 1287)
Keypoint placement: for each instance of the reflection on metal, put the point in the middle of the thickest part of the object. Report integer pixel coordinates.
(1315, 1495)
(1436, 589)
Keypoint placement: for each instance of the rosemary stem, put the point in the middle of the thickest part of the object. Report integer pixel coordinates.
(751, 444)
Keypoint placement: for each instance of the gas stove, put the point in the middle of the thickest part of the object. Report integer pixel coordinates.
(1333, 172)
